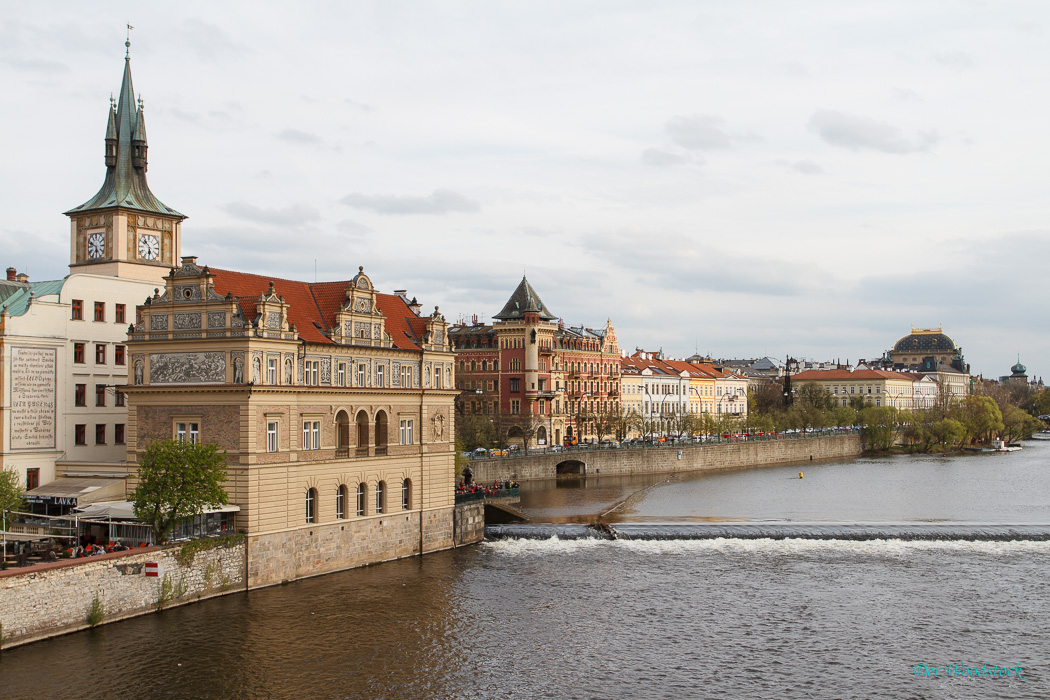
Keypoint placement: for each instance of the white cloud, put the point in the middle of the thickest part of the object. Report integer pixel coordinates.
(859, 133)
(438, 202)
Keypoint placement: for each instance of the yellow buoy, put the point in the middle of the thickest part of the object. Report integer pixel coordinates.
(800, 475)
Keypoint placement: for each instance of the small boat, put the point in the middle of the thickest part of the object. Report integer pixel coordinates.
(1001, 446)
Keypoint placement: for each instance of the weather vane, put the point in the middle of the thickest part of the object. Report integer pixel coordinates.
(127, 43)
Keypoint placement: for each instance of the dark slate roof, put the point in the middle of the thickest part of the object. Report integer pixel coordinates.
(921, 342)
(125, 185)
(524, 299)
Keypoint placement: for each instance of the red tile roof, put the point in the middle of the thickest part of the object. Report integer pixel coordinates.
(312, 307)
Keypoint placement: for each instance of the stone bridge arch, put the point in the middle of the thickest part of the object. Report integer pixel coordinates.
(574, 467)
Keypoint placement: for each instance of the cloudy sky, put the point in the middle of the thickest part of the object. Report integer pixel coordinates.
(743, 179)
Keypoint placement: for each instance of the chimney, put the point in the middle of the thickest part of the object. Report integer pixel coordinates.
(11, 272)
(403, 293)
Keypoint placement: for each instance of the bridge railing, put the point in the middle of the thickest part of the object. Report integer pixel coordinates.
(673, 444)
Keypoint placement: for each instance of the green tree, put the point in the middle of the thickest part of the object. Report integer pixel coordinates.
(880, 426)
(1018, 424)
(981, 418)
(178, 480)
(11, 493)
(948, 432)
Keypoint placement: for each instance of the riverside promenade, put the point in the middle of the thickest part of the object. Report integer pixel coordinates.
(713, 456)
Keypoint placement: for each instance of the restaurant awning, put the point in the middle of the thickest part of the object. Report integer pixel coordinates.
(125, 510)
(73, 491)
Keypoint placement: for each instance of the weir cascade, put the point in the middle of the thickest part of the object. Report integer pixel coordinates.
(773, 530)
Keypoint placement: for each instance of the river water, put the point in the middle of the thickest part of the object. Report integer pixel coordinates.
(591, 618)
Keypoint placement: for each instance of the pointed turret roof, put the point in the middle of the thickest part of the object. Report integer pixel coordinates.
(524, 299)
(125, 184)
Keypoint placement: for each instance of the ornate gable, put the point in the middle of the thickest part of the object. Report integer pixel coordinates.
(358, 321)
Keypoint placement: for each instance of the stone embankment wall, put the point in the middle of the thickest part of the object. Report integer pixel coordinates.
(313, 550)
(666, 459)
(468, 524)
(51, 599)
(56, 598)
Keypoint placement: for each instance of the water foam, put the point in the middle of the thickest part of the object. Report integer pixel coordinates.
(769, 547)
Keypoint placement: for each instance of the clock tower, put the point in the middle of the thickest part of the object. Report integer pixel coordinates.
(125, 231)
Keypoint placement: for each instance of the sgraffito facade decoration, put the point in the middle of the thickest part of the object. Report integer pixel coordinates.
(187, 368)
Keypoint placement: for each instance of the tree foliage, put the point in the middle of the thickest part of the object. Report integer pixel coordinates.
(11, 493)
(178, 480)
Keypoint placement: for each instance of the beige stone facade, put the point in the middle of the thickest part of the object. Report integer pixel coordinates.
(331, 400)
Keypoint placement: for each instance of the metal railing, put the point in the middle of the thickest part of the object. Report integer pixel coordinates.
(673, 443)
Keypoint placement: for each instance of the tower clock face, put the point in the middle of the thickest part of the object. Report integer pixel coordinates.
(149, 247)
(96, 245)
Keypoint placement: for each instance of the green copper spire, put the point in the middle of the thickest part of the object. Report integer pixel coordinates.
(126, 147)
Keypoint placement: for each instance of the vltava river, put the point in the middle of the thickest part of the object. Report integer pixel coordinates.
(717, 618)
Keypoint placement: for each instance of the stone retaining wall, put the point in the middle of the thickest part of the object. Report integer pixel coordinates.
(666, 459)
(52, 599)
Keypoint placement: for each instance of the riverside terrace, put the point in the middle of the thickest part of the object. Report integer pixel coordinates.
(717, 453)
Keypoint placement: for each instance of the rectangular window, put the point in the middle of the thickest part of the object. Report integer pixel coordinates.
(80, 395)
(120, 313)
(120, 355)
(100, 434)
(312, 435)
(271, 371)
(118, 434)
(313, 372)
(188, 431)
(32, 478)
(406, 377)
(100, 311)
(362, 375)
(100, 354)
(271, 436)
(80, 434)
(515, 406)
(100, 395)
(515, 385)
(78, 353)
(380, 376)
(341, 373)
(406, 432)
(119, 400)
(78, 310)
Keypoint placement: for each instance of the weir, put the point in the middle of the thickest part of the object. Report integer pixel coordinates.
(989, 532)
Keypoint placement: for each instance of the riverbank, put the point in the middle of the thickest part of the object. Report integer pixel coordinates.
(660, 460)
(52, 599)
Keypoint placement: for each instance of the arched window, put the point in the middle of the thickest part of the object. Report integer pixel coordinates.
(381, 497)
(362, 495)
(382, 427)
(406, 494)
(362, 433)
(340, 502)
(311, 505)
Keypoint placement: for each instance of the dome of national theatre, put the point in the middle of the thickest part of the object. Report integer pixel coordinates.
(922, 341)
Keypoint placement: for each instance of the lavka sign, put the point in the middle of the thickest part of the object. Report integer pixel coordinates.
(33, 398)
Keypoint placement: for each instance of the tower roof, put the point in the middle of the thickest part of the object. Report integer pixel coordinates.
(125, 185)
(524, 299)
